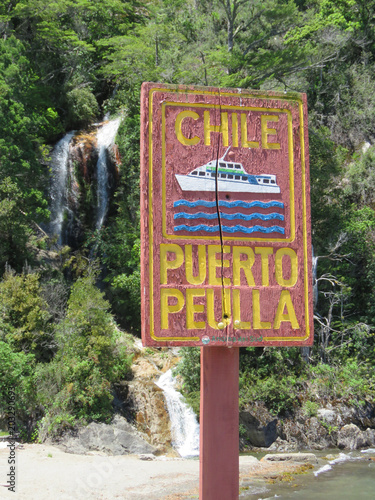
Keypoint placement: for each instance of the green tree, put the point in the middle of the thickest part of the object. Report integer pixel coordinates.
(26, 315)
(17, 375)
(77, 385)
(14, 224)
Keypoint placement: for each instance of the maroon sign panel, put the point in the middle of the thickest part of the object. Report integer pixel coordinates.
(225, 211)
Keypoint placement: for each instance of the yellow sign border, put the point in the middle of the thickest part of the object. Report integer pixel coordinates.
(152, 91)
(291, 174)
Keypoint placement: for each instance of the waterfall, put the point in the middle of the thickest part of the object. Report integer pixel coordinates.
(314, 277)
(59, 170)
(70, 160)
(184, 425)
(105, 136)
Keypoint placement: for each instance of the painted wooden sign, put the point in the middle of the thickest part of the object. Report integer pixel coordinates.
(226, 244)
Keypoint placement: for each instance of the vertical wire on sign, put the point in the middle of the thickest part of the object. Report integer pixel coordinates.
(225, 313)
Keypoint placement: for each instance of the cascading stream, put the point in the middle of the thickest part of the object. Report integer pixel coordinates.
(59, 170)
(65, 190)
(105, 137)
(184, 425)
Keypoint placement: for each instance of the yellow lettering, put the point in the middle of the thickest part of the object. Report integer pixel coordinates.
(290, 316)
(192, 309)
(202, 268)
(257, 323)
(264, 119)
(214, 263)
(264, 252)
(234, 130)
(178, 128)
(222, 128)
(169, 264)
(225, 308)
(246, 265)
(166, 308)
(240, 325)
(244, 138)
(279, 267)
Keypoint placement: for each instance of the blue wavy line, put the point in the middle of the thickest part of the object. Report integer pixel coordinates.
(203, 215)
(228, 204)
(231, 229)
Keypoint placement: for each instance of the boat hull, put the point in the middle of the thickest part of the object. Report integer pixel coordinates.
(190, 183)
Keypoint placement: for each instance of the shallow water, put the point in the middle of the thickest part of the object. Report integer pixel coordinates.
(350, 476)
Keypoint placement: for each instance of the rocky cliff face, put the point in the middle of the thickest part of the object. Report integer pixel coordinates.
(336, 425)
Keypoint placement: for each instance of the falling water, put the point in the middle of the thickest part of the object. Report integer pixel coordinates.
(184, 425)
(59, 167)
(105, 136)
(314, 277)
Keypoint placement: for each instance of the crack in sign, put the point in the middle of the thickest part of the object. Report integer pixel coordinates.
(225, 313)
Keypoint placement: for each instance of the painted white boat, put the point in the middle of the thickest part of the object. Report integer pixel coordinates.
(228, 176)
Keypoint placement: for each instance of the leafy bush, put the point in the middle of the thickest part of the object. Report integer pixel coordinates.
(83, 107)
(125, 290)
(26, 314)
(278, 394)
(350, 381)
(189, 369)
(17, 373)
(310, 408)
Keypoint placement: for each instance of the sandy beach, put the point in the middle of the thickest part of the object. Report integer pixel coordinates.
(45, 472)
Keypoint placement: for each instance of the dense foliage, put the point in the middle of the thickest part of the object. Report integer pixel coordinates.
(63, 65)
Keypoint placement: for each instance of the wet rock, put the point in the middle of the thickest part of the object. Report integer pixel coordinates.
(256, 433)
(146, 403)
(151, 413)
(351, 437)
(291, 457)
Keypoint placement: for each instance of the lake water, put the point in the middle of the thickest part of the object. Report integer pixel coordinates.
(348, 476)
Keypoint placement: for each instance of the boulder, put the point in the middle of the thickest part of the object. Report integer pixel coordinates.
(291, 457)
(370, 437)
(351, 437)
(118, 438)
(257, 433)
(282, 446)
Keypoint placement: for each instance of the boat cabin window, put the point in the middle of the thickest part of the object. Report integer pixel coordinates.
(266, 181)
(213, 174)
(223, 176)
(237, 177)
(272, 181)
(222, 165)
(194, 172)
(237, 166)
(202, 174)
(230, 176)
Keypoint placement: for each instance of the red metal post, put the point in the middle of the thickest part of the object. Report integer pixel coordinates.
(219, 441)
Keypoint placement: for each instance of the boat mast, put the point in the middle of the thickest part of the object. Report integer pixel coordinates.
(225, 154)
